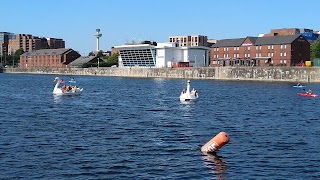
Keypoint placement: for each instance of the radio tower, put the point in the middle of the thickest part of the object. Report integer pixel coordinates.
(98, 35)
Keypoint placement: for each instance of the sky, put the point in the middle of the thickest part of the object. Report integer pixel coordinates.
(120, 21)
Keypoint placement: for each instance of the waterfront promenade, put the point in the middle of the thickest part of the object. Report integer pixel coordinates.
(285, 74)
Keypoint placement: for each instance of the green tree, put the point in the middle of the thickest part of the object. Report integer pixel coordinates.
(100, 54)
(315, 50)
(91, 53)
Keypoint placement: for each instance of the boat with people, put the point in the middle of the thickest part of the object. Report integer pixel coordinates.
(72, 81)
(62, 89)
(299, 85)
(307, 95)
(187, 95)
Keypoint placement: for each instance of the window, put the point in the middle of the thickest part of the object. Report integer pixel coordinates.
(260, 54)
(285, 61)
(238, 48)
(285, 46)
(227, 49)
(268, 47)
(284, 54)
(234, 55)
(280, 54)
(248, 55)
(271, 54)
(280, 61)
(272, 47)
(281, 46)
(214, 56)
(234, 48)
(257, 47)
(217, 55)
(245, 55)
(237, 55)
(260, 47)
(217, 49)
(257, 55)
(249, 48)
(224, 49)
(268, 54)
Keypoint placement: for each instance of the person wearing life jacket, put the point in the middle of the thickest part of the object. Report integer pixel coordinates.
(310, 92)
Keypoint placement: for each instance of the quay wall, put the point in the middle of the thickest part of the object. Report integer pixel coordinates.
(290, 74)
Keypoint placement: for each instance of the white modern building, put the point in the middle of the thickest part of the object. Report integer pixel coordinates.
(162, 55)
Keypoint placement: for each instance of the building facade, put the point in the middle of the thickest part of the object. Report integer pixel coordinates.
(4, 41)
(194, 40)
(48, 58)
(283, 50)
(10, 42)
(309, 34)
(162, 55)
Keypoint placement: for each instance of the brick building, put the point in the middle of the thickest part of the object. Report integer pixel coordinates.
(48, 58)
(10, 42)
(261, 51)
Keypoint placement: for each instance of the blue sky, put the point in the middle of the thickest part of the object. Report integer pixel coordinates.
(75, 21)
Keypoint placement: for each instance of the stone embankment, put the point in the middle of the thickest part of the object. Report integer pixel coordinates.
(290, 74)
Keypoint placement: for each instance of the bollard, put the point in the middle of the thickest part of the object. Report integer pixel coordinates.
(216, 143)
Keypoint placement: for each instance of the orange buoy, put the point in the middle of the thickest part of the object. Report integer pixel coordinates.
(216, 143)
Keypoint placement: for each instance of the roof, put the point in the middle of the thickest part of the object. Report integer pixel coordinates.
(229, 42)
(270, 40)
(276, 40)
(44, 52)
(81, 60)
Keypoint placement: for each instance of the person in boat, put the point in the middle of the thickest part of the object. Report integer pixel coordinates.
(299, 84)
(63, 88)
(310, 92)
(72, 79)
(183, 91)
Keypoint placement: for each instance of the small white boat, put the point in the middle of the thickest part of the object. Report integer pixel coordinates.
(189, 95)
(65, 90)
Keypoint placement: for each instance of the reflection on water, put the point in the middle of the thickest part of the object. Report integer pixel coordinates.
(216, 164)
(56, 98)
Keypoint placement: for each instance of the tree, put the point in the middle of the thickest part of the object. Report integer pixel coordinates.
(315, 50)
(91, 53)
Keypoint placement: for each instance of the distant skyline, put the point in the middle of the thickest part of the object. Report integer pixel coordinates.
(121, 21)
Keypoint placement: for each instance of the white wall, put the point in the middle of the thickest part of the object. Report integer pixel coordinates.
(195, 56)
(160, 58)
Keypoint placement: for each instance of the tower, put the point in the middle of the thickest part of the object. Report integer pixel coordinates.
(98, 35)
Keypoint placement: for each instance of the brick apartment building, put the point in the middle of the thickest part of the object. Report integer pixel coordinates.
(286, 50)
(10, 42)
(48, 58)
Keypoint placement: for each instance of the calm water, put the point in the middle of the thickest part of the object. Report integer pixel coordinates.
(135, 128)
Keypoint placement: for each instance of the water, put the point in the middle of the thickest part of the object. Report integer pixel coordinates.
(136, 128)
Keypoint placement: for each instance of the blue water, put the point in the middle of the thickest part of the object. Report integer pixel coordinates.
(136, 128)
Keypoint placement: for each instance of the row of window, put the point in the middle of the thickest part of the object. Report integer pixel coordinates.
(248, 55)
(282, 46)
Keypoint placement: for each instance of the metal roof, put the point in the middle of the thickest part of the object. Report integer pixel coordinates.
(45, 52)
(270, 40)
(229, 42)
(81, 60)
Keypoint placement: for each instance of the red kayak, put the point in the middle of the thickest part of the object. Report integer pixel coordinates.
(308, 95)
